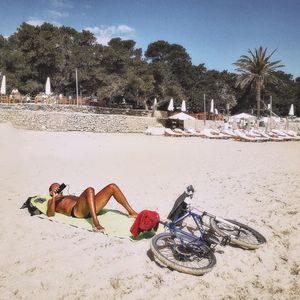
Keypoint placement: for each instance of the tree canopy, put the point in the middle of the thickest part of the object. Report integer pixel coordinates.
(257, 69)
(121, 73)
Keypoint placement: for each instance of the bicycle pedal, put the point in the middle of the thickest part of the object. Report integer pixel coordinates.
(225, 240)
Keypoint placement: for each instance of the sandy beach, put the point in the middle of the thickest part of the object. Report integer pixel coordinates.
(255, 183)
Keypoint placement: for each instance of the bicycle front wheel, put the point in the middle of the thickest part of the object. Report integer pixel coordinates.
(167, 248)
(240, 234)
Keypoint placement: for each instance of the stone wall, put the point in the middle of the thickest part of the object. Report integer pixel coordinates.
(74, 108)
(52, 120)
(96, 119)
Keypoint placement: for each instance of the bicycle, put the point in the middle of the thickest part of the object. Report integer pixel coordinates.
(190, 249)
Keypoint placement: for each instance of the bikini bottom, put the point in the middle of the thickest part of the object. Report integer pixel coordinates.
(74, 216)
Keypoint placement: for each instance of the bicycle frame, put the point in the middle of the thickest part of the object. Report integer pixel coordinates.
(176, 230)
(204, 213)
(187, 211)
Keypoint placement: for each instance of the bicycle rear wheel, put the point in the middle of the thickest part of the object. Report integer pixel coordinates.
(170, 251)
(243, 236)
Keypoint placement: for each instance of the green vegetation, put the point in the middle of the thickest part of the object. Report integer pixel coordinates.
(255, 70)
(121, 71)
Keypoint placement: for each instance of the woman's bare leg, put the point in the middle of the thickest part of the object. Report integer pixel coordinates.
(90, 203)
(86, 205)
(105, 194)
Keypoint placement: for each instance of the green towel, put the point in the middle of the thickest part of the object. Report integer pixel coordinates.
(115, 222)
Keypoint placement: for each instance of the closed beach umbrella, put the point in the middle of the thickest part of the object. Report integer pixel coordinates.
(3, 86)
(48, 87)
(212, 110)
(291, 112)
(155, 104)
(216, 111)
(171, 105)
(183, 105)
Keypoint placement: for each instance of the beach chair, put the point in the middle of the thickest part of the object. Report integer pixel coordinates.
(184, 133)
(275, 136)
(255, 134)
(267, 136)
(155, 131)
(212, 134)
(290, 133)
(170, 132)
(281, 134)
(193, 132)
(230, 133)
(243, 136)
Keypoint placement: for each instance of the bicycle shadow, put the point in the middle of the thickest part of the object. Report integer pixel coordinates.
(157, 262)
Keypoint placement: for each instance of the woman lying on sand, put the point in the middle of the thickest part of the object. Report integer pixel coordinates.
(87, 204)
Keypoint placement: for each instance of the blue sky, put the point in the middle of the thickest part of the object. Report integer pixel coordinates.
(214, 32)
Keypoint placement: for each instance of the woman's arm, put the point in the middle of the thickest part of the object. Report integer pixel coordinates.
(51, 206)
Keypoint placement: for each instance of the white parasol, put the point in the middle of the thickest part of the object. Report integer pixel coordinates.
(171, 105)
(183, 105)
(292, 112)
(48, 87)
(3, 86)
(154, 104)
(212, 110)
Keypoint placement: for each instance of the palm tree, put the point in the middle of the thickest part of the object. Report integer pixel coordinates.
(255, 70)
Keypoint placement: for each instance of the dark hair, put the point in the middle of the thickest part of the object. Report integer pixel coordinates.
(50, 187)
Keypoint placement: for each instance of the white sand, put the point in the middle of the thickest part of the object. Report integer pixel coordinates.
(256, 183)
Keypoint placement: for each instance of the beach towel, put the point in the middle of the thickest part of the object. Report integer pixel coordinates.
(116, 223)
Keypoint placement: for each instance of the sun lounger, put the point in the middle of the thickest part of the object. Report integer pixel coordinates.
(155, 131)
(269, 137)
(212, 134)
(243, 136)
(193, 132)
(276, 136)
(170, 132)
(256, 134)
(283, 135)
(230, 133)
(287, 133)
(178, 130)
(219, 134)
(291, 132)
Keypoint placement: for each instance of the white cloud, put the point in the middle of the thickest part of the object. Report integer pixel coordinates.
(61, 3)
(125, 29)
(35, 22)
(105, 33)
(38, 22)
(58, 14)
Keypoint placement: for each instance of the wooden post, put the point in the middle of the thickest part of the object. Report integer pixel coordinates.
(204, 108)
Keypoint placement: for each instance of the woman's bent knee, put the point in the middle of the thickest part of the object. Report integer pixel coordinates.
(112, 186)
(90, 190)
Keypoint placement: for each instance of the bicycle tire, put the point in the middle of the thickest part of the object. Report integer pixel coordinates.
(249, 238)
(162, 248)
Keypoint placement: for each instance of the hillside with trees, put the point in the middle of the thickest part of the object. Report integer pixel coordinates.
(121, 72)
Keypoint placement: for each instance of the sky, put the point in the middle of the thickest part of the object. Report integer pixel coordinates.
(213, 32)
